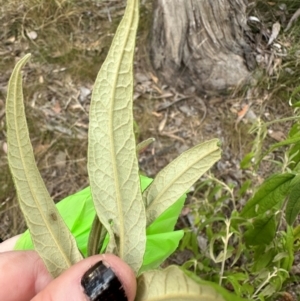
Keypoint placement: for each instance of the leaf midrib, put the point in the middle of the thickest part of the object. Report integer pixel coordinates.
(113, 158)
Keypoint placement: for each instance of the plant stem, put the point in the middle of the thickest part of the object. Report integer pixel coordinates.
(226, 187)
(282, 120)
(225, 240)
(274, 274)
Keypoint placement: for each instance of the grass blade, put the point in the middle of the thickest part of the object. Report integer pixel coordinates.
(51, 237)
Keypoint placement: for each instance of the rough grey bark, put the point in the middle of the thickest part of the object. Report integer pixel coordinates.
(199, 43)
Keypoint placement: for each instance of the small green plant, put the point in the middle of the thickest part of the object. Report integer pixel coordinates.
(127, 218)
(251, 251)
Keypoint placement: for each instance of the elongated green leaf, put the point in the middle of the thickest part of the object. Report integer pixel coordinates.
(262, 257)
(172, 284)
(270, 195)
(159, 247)
(288, 261)
(144, 144)
(51, 237)
(112, 162)
(293, 204)
(263, 231)
(178, 176)
(288, 141)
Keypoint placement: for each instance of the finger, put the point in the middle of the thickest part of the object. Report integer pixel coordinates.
(22, 275)
(97, 278)
(8, 245)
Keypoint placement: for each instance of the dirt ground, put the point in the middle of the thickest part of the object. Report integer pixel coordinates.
(68, 45)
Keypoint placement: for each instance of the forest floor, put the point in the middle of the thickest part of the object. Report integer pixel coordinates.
(68, 43)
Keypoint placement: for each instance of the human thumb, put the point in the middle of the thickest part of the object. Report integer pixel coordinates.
(97, 278)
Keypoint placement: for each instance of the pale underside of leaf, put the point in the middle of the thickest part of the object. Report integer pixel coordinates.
(112, 162)
(172, 284)
(178, 176)
(51, 237)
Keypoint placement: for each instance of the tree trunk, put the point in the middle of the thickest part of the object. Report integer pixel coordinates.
(200, 43)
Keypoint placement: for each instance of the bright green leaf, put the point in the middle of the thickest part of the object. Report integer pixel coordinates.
(263, 231)
(296, 233)
(238, 281)
(178, 176)
(246, 163)
(287, 142)
(287, 262)
(293, 204)
(159, 247)
(172, 284)
(167, 220)
(262, 257)
(245, 186)
(112, 162)
(51, 237)
(270, 195)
